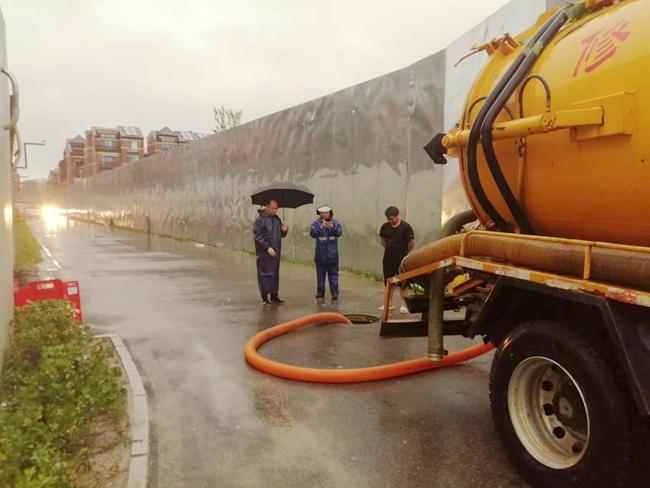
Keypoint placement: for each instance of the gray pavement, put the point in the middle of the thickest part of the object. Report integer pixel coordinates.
(186, 312)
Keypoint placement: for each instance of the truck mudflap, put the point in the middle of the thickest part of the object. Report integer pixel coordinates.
(627, 325)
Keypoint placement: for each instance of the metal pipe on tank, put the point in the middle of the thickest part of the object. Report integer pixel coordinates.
(435, 349)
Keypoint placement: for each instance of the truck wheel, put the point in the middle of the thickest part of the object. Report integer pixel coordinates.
(561, 417)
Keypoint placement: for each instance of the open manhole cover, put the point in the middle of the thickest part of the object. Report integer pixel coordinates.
(360, 319)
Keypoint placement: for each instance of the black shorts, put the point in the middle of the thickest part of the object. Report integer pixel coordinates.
(391, 265)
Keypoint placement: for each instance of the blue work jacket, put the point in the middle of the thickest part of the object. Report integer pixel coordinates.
(268, 233)
(327, 248)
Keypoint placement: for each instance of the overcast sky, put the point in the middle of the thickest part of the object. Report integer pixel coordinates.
(155, 63)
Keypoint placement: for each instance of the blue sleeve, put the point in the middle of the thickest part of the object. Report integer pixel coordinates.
(338, 228)
(261, 234)
(315, 230)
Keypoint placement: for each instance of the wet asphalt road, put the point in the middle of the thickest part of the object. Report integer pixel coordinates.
(186, 312)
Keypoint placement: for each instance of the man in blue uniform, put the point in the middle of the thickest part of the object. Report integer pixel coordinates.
(269, 231)
(326, 230)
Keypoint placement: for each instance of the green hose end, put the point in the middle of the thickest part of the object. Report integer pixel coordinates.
(576, 11)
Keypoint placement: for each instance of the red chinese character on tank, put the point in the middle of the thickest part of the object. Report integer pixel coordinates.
(600, 46)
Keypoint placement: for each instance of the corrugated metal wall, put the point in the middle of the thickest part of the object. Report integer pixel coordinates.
(358, 149)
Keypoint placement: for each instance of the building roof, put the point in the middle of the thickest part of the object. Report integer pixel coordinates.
(182, 135)
(77, 140)
(103, 129)
(165, 131)
(188, 135)
(129, 131)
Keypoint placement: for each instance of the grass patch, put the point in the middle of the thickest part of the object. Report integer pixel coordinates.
(26, 247)
(56, 386)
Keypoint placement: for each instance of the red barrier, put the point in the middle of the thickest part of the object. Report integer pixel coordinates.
(37, 291)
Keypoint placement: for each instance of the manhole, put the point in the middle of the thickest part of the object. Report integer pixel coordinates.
(360, 319)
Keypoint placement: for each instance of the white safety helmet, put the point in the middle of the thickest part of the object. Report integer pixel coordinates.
(324, 208)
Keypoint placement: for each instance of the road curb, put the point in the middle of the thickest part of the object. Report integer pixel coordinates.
(138, 416)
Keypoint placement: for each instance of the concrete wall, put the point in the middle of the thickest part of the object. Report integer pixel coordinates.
(6, 214)
(358, 149)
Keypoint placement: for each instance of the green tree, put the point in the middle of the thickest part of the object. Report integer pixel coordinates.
(225, 118)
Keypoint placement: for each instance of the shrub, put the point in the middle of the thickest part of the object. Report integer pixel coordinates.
(56, 384)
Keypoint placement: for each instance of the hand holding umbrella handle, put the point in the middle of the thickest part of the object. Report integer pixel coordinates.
(285, 228)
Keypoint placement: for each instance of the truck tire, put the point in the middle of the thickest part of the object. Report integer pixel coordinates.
(561, 417)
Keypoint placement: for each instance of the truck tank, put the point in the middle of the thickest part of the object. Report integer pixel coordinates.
(572, 140)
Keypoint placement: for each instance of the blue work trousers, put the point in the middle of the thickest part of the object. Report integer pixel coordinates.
(331, 271)
(268, 275)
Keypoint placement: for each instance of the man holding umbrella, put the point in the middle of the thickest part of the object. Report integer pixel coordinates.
(269, 231)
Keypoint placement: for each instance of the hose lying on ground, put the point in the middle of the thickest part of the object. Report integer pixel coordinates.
(356, 375)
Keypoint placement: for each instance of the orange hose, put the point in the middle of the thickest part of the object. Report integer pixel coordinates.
(356, 375)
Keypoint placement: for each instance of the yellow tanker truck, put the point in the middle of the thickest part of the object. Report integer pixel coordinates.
(554, 152)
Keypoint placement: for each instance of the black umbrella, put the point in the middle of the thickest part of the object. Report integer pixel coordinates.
(286, 193)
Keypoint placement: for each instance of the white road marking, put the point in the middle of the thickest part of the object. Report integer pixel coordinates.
(49, 255)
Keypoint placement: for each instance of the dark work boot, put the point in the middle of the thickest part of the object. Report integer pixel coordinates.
(276, 299)
(265, 300)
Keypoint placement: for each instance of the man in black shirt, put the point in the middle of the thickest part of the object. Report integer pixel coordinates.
(397, 238)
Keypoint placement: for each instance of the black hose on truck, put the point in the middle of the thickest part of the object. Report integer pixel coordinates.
(532, 52)
(475, 132)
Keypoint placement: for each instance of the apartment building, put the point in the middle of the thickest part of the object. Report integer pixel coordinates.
(166, 139)
(61, 173)
(132, 144)
(73, 160)
(107, 148)
(54, 178)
